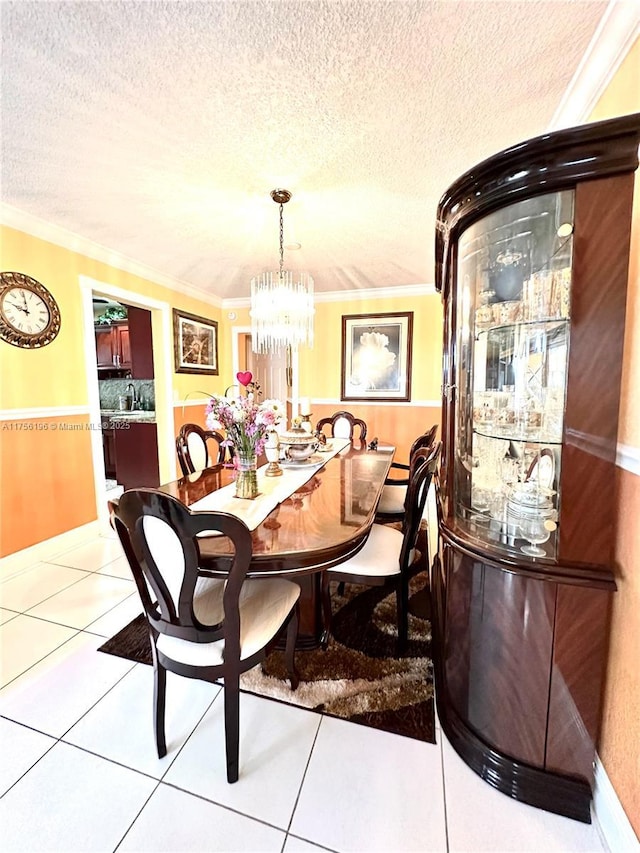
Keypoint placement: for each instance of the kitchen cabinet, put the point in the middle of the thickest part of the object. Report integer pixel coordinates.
(532, 254)
(141, 343)
(136, 452)
(113, 347)
(127, 346)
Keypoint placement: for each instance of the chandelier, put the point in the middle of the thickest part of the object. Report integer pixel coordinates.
(281, 303)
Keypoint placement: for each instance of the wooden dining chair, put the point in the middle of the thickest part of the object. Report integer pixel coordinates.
(201, 627)
(389, 556)
(394, 492)
(343, 425)
(193, 450)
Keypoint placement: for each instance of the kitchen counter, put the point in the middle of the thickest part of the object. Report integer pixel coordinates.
(138, 416)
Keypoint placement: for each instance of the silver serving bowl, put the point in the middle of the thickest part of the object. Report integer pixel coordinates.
(298, 445)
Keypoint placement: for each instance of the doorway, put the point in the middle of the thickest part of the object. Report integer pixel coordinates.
(126, 387)
(277, 374)
(164, 444)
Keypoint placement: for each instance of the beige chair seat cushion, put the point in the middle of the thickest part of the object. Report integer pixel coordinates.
(264, 606)
(380, 555)
(392, 500)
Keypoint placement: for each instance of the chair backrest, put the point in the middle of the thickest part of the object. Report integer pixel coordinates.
(343, 425)
(422, 468)
(158, 533)
(192, 450)
(425, 440)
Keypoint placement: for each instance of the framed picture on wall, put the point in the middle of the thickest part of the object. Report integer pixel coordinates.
(376, 356)
(195, 342)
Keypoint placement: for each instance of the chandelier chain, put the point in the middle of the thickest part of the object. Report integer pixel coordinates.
(281, 240)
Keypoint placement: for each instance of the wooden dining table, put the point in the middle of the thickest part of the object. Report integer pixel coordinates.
(324, 521)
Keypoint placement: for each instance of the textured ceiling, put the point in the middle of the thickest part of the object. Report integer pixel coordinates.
(158, 129)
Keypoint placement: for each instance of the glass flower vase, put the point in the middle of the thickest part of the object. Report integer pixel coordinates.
(247, 477)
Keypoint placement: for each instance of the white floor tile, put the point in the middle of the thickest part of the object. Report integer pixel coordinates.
(201, 826)
(298, 845)
(118, 568)
(37, 583)
(371, 790)
(5, 615)
(275, 743)
(55, 693)
(90, 556)
(71, 801)
(20, 749)
(118, 617)
(24, 641)
(85, 601)
(479, 818)
(120, 726)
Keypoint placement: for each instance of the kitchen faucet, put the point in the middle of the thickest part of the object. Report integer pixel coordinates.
(135, 402)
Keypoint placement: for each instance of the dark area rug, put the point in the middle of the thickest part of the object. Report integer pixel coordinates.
(358, 678)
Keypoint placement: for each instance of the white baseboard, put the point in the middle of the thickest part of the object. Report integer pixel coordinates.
(613, 823)
(14, 563)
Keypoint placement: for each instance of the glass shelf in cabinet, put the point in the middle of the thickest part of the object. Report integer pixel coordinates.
(504, 535)
(534, 437)
(555, 323)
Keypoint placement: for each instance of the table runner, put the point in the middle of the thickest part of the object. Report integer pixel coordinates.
(271, 490)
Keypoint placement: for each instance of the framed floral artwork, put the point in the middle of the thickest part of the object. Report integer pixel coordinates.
(376, 356)
(195, 341)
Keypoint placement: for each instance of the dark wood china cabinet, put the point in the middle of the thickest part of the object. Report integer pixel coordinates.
(532, 252)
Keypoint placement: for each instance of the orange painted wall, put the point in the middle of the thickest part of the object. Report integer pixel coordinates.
(45, 484)
(619, 747)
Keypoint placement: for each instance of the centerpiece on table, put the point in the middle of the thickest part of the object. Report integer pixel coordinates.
(247, 424)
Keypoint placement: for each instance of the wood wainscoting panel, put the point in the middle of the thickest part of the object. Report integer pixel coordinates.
(46, 477)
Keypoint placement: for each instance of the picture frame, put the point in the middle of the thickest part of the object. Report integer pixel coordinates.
(376, 357)
(195, 342)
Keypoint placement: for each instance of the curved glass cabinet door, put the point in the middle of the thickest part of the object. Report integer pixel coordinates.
(513, 301)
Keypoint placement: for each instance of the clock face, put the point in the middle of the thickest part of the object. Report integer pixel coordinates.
(29, 315)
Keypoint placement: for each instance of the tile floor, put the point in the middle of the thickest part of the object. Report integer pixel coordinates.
(79, 770)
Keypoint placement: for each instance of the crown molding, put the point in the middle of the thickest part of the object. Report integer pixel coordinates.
(613, 39)
(410, 290)
(13, 217)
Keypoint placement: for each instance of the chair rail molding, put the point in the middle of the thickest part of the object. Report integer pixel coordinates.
(42, 412)
(628, 458)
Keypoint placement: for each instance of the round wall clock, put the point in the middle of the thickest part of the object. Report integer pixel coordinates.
(29, 315)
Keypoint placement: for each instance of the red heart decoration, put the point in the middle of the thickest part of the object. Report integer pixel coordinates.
(244, 377)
